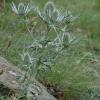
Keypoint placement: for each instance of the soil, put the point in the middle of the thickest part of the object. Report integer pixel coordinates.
(54, 90)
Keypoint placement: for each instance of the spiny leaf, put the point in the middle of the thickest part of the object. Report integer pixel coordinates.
(49, 8)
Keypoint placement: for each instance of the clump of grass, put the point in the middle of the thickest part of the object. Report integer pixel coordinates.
(91, 94)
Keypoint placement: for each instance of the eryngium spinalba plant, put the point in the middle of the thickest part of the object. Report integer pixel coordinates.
(45, 50)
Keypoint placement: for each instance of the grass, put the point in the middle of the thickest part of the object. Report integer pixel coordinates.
(72, 73)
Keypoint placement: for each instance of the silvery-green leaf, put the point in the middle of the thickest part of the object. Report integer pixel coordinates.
(36, 9)
(68, 37)
(65, 37)
(69, 17)
(64, 29)
(47, 63)
(28, 8)
(27, 58)
(36, 45)
(42, 67)
(14, 8)
(55, 15)
(39, 45)
(49, 8)
(21, 8)
(68, 13)
(60, 18)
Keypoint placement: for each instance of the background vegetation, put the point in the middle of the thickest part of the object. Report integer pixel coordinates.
(75, 74)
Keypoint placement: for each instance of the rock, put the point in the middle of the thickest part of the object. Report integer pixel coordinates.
(8, 78)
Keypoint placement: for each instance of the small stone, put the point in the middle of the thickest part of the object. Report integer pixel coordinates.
(12, 73)
(14, 82)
